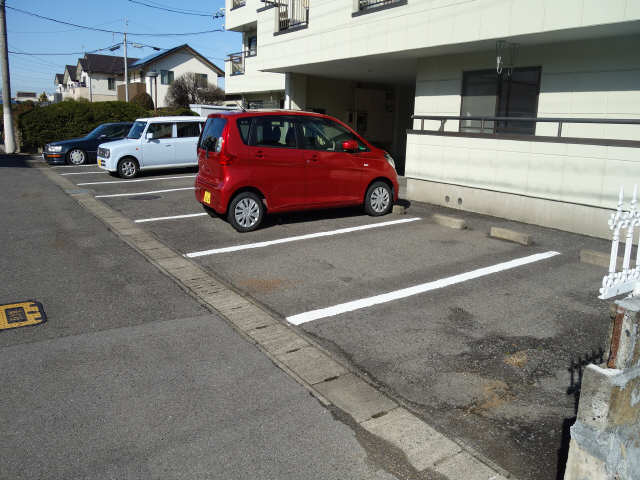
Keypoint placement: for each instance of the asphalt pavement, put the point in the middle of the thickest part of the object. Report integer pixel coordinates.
(487, 361)
(478, 336)
(130, 377)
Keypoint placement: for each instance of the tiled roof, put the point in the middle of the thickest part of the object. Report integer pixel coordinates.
(94, 63)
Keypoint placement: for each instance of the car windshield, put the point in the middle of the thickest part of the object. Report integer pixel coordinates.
(136, 129)
(96, 132)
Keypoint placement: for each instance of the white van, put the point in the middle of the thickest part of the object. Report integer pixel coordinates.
(158, 142)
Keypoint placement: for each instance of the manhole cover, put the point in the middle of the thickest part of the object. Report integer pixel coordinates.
(145, 197)
(21, 314)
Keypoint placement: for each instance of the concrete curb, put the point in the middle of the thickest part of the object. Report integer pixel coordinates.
(451, 222)
(300, 357)
(510, 236)
(599, 259)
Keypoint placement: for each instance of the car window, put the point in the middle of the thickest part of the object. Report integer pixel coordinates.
(136, 129)
(161, 130)
(212, 131)
(325, 134)
(244, 125)
(274, 132)
(188, 129)
(115, 131)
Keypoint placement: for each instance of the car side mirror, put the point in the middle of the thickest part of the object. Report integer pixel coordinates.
(149, 136)
(350, 146)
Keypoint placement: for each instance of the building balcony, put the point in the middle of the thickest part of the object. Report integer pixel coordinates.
(333, 33)
(242, 75)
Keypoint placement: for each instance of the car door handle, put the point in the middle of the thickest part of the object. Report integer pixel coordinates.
(313, 158)
(259, 154)
(169, 145)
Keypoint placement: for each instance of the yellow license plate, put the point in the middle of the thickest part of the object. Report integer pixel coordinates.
(207, 197)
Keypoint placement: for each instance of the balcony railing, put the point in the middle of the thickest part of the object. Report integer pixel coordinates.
(238, 3)
(368, 6)
(499, 127)
(237, 63)
(292, 14)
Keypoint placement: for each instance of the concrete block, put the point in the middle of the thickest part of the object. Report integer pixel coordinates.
(465, 466)
(510, 235)
(312, 365)
(277, 339)
(423, 446)
(451, 222)
(595, 396)
(599, 259)
(355, 396)
(398, 210)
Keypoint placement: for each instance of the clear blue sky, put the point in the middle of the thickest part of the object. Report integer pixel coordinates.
(30, 34)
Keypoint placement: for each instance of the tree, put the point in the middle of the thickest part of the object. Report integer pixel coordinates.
(43, 97)
(188, 89)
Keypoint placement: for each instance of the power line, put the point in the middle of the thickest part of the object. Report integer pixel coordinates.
(183, 9)
(112, 31)
(182, 12)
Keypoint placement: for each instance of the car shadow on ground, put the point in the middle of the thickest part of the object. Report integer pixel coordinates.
(290, 218)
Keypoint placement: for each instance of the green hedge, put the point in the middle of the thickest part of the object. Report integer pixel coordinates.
(70, 119)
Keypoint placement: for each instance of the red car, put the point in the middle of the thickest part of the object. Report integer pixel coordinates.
(257, 162)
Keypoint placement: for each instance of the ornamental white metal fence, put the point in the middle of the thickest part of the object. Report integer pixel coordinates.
(623, 221)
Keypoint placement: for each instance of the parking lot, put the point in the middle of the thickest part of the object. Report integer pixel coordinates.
(474, 334)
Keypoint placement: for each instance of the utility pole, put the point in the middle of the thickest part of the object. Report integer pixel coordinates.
(9, 140)
(126, 67)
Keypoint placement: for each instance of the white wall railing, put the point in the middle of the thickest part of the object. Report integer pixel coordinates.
(628, 278)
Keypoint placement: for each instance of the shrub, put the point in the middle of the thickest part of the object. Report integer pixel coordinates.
(187, 90)
(144, 100)
(71, 119)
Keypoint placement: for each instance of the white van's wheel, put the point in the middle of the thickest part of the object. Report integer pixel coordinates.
(128, 167)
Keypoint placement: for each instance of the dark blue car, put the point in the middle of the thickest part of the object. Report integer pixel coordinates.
(78, 151)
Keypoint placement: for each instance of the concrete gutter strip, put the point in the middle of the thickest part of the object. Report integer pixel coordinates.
(306, 362)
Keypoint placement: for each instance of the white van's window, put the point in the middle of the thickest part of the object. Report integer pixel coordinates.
(161, 130)
(136, 129)
(188, 129)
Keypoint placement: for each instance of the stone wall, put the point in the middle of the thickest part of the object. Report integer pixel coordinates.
(605, 440)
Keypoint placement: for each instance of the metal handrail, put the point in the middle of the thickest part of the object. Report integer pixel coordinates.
(559, 120)
(370, 4)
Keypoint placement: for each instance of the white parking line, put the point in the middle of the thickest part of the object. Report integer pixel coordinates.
(415, 290)
(157, 219)
(81, 173)
(73, 166)
(298, 238)
(139, 180)
(144, 193)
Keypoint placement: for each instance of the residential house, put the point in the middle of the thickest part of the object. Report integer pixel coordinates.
(101, 75)
(58, 82)
(26, 96)
(168, 65)
(444, 86)
(70, 83)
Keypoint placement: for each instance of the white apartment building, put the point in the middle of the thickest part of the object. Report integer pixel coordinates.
(440, 84)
